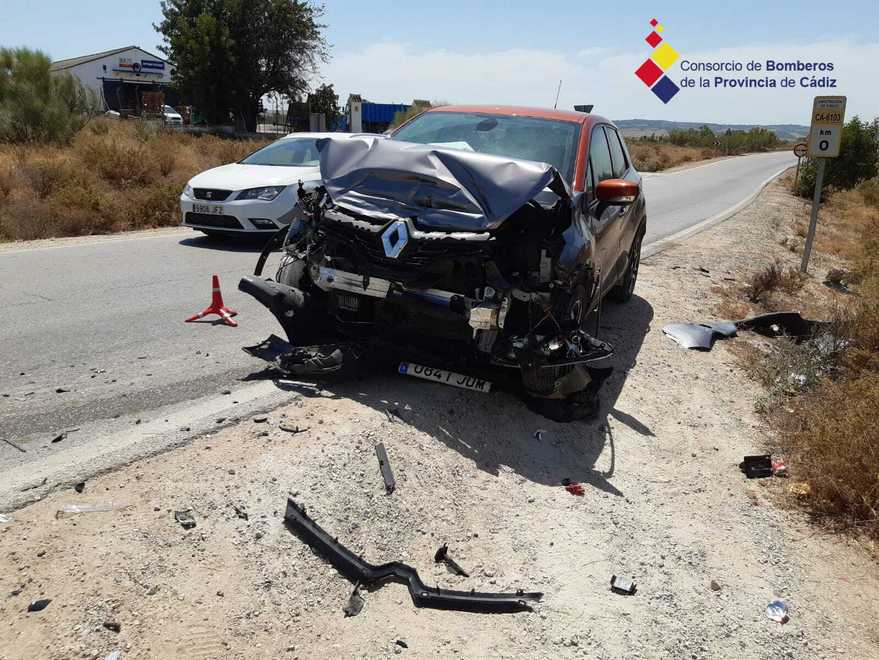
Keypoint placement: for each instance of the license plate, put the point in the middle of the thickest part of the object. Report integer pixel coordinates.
(212, 209)
(443, 376)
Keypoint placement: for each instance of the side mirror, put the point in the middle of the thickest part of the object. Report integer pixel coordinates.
(616, 191)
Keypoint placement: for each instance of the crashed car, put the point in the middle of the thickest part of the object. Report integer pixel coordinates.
(485, 235)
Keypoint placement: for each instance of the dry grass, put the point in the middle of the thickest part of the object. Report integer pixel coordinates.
(655, 157)
(114, 176)
(771, 278)
(824, 393)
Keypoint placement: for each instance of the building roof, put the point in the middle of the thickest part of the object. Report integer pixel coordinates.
(517, 110)
(76, 61)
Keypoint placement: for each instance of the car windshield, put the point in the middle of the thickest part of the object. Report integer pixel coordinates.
(530, 138)
(289, 152)
(168, 108)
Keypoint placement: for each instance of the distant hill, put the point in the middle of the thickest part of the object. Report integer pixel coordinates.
(639, 127)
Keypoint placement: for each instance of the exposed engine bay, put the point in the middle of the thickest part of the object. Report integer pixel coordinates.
(475, 258)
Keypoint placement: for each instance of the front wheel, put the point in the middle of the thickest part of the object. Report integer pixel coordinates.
(624, 289)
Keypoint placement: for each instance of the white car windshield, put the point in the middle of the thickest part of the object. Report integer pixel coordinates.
(169, 109)
(289, 152)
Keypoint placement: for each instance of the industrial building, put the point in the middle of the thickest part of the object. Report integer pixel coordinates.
(119, 78)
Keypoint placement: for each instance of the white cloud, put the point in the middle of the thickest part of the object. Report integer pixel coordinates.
(398, 72)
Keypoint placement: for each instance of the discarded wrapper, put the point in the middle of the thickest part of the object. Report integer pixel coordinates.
(777, 611)
(622, 585)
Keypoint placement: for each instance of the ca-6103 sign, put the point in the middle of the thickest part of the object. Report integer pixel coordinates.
(825, 135)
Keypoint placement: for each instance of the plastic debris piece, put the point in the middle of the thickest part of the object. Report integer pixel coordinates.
(115, 626)
(779, 468)
(622, 585)
(114, 655)
(75, 509)
(355, 602)
(573, 487)
(538, 434)
(39, 605)
(401, 644)
(442, 555)
(292, 428)
(777, 611)
(5, 519)
(385, 466)
(185, 518)
(79, 487)
(757, 467)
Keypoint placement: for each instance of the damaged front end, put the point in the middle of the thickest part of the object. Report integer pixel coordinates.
(476, 258)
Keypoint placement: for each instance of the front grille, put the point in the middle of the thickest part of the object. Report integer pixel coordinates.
(209, 220)
(417, 256)
(211, 194)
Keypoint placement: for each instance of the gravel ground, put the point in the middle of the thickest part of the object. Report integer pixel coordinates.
(664, 503)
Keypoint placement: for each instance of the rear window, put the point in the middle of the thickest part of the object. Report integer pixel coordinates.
(529, 138)
(289, 152)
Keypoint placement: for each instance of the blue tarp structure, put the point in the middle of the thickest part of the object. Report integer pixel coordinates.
(381, 113)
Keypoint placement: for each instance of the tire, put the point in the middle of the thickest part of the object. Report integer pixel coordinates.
(623, 290)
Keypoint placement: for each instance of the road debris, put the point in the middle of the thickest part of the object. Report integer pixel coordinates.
(623, 585)
(538, 434)
(359, 571)
(442, 555)
(385, 467)
(757, 467)
(4, 519)
(14, 446)
(260, 419)
(714, 585)
(779, 467)
(777, 611)
(573, 487)
(75, 509)
(700, 336)
(115, 626)
(355, 602)
(401, 644)
(185, 517)
(292, 428)
(79, 487)
(240, 511)
(39, 605)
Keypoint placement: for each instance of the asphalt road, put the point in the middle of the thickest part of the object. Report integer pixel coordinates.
(102, 319)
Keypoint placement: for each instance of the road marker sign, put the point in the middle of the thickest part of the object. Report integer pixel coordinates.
(825, 137)
(801, 149)
(825, 133)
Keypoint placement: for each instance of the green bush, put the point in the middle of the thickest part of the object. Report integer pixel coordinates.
(858, 159)
(37, 105)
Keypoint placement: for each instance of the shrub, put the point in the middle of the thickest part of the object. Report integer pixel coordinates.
(771, 278)
(858, 159)
(36, 104)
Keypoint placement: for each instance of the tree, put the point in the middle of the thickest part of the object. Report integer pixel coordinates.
(227, 54)
(324, 99)
(858, 159)
(37, 104)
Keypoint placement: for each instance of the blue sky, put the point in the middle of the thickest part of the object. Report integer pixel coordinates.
(507, 52)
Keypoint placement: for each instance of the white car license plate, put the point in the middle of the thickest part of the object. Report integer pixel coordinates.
(212, 209)
(443, 376)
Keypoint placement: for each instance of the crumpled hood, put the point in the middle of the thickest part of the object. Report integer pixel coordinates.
(447, 189)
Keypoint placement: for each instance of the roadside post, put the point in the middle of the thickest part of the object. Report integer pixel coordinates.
(825, 135)
(800, 150)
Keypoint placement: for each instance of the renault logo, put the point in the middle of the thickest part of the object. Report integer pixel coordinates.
(394, 238)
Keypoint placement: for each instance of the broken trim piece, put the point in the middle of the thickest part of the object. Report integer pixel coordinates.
(385, 466)
(358, 570)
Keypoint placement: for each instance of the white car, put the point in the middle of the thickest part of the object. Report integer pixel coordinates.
(172, 117)
(258, 194)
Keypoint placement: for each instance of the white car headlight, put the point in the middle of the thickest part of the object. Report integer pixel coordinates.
(189, 192)
(266, 194)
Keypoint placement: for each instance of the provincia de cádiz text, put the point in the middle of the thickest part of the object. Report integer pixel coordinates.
(758, 74)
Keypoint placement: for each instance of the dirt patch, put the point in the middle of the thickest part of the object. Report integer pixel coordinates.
(664, 504)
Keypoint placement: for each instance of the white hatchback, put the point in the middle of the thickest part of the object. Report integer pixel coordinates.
(258, 194)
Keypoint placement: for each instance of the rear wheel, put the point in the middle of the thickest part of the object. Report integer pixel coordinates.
(624, 289)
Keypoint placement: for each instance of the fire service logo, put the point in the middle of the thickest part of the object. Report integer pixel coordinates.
(652, 72)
